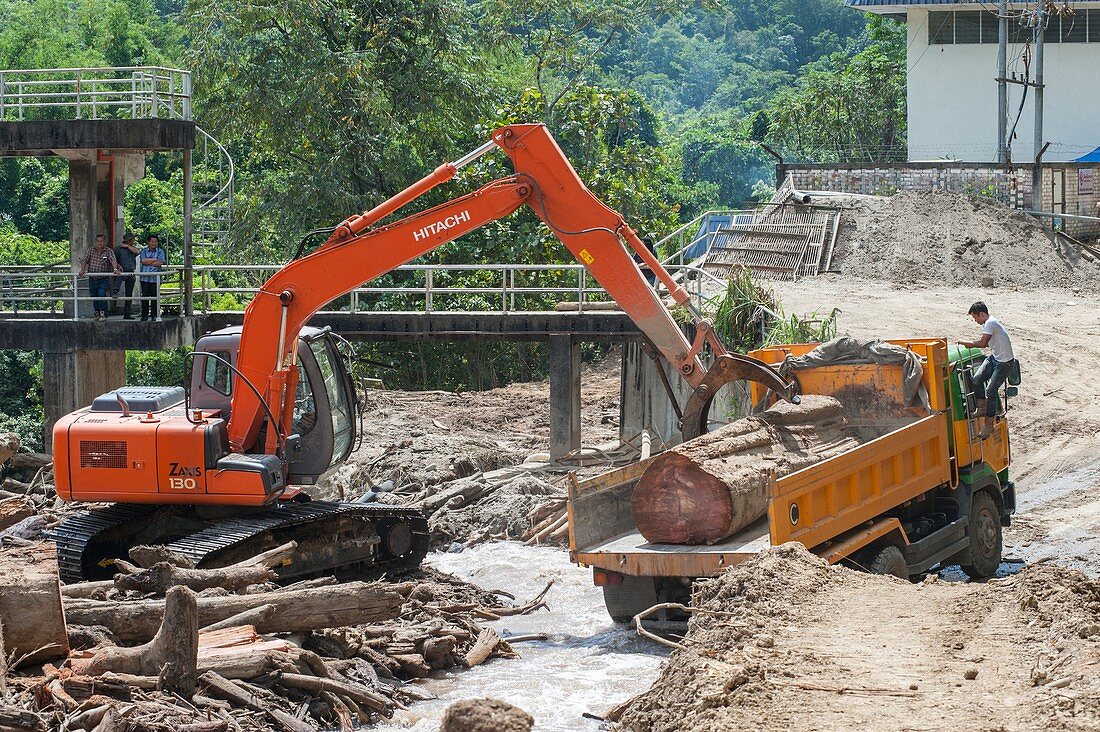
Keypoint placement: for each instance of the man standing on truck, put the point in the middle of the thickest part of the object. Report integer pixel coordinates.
(992, 373)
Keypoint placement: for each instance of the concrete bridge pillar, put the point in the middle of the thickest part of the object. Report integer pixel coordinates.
(97, 192)
(565, 394)
(72, 378)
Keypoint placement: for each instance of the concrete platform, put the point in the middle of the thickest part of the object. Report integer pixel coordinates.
(43, 137)
(52, 335)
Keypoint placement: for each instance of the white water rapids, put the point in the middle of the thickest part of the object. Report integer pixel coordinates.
(588, 665)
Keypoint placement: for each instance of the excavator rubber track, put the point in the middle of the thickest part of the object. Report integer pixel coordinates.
(345, 539)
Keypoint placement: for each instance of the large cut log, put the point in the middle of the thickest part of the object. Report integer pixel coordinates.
(172, 654)
(715, 485)
(30, 604)
(162, 576)
(353, 603)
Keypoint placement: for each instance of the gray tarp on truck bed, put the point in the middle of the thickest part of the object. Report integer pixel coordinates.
(845, 350)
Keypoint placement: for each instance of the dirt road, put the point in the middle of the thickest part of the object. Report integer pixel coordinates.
(805, 646)
(1054, 422)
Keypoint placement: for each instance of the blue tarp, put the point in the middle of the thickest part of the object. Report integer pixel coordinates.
(1092, 157)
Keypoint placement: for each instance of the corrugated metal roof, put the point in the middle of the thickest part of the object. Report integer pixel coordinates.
(904, 3)
(887, 3)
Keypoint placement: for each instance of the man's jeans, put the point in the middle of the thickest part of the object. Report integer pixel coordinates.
(987, 381)
(98, 287)
(123, 284)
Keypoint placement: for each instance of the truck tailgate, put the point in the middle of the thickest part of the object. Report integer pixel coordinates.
(631, 554)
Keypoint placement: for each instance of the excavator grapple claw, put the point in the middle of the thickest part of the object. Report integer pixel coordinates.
(726, 368)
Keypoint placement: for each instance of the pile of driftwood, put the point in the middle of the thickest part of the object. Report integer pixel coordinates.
(165, 646)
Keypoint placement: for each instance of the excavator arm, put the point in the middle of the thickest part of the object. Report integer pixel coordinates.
(356, 253)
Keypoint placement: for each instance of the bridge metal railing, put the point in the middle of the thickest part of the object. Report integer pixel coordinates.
(503, 288)
(56, 291)
(121, 92)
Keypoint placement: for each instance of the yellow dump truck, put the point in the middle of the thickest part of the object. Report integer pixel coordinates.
(923, 489)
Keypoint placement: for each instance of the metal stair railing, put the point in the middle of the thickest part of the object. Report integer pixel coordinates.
(213, 174)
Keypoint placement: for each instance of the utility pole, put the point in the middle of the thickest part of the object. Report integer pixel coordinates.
(1002, 83)
(1040, 28)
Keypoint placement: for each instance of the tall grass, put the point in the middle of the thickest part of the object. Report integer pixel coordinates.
(748, 315)
(741, 314)
(810, 329)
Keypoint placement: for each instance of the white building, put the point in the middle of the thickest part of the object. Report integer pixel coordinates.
(952, 72)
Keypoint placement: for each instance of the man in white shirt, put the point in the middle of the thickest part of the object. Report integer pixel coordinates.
(992, 373)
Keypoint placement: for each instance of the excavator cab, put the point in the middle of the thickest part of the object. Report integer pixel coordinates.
(325, 408)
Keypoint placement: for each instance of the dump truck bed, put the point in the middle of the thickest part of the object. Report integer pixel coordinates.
(832, 507)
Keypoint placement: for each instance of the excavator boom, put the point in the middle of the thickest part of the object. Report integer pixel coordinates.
(356, 253)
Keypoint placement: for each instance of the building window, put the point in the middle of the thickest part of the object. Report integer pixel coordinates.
(954, 27)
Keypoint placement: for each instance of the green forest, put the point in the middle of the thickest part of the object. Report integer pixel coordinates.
(329, 107)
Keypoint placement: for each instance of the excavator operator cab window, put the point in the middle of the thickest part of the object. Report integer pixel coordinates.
(323, 414)
(305, 406)
(216, 375)
(336, 386)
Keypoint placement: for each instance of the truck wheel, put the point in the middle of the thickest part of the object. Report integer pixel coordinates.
(633, 596)
(888, 560)
(985, 537)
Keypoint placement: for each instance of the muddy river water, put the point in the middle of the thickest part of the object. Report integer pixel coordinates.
(588, 664)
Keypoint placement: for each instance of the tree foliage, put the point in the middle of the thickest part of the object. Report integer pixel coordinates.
(847, 107)
(561, 42)
(331, 106)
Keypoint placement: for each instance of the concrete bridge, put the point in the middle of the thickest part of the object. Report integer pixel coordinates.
(84, 358)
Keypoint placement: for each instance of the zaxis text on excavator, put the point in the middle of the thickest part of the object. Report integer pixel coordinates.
(214, 472)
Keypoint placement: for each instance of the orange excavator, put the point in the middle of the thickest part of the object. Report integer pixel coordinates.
(214, 472)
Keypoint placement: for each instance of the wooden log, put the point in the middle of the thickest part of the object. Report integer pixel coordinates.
(162, 576)
(11, 485)
(14, 510)
(9, 445)
(87, 590)
(482, 649)
(29, 529)
(271, 558)
(412, 665)
(147, 556)
(715, 485)
(356, 692)
(31, 461)
(172, 654)
(213, 725)
(247, 662)
(84, 687)
(243, 695)
(338, 606)
(14, 719)
(252, 616)
(31, 615)
(146, 683)
(89, 718)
